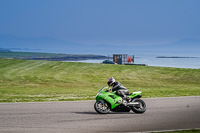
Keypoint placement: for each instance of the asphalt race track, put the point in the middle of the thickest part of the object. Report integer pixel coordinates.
(80, 116)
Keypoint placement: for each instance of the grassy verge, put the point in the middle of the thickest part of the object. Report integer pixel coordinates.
(30, 80)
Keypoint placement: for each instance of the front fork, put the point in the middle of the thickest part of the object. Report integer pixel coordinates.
(102, 102)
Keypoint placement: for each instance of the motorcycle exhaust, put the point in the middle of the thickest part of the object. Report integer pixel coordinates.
(135, 104)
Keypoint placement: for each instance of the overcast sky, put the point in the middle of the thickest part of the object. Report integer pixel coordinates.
(116, 22)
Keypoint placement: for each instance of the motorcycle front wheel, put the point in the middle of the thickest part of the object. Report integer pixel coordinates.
(141, 108)
(101, 108)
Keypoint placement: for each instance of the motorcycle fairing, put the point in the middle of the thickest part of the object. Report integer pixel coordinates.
(135, 94)
(110, 97)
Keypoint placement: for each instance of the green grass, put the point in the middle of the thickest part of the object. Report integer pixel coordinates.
(31, 80)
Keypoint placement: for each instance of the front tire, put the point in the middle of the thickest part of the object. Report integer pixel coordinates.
(101, 108)
(141, 108)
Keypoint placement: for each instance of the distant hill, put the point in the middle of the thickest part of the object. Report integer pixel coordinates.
(48, 56)
(52, 45)
(36, 44)
(184, 44)
(4, 50)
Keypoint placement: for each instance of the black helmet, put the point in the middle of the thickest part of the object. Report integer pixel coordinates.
(110, 81)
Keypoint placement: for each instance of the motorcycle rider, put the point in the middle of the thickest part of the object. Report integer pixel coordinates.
(118, 87)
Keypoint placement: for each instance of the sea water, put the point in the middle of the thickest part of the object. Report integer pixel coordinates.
(190, 60)
(184, 59)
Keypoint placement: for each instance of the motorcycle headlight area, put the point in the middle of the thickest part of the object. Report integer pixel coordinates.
(99, 94)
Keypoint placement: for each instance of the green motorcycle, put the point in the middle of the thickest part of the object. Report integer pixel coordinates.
(107, 101)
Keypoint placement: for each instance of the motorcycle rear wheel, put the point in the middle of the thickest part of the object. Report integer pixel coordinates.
(141, 108)
(101, 108)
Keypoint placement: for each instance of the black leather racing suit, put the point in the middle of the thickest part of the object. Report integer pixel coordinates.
(120, 89)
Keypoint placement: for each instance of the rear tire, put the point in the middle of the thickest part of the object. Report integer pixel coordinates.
(101, 108)
(141, 109)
